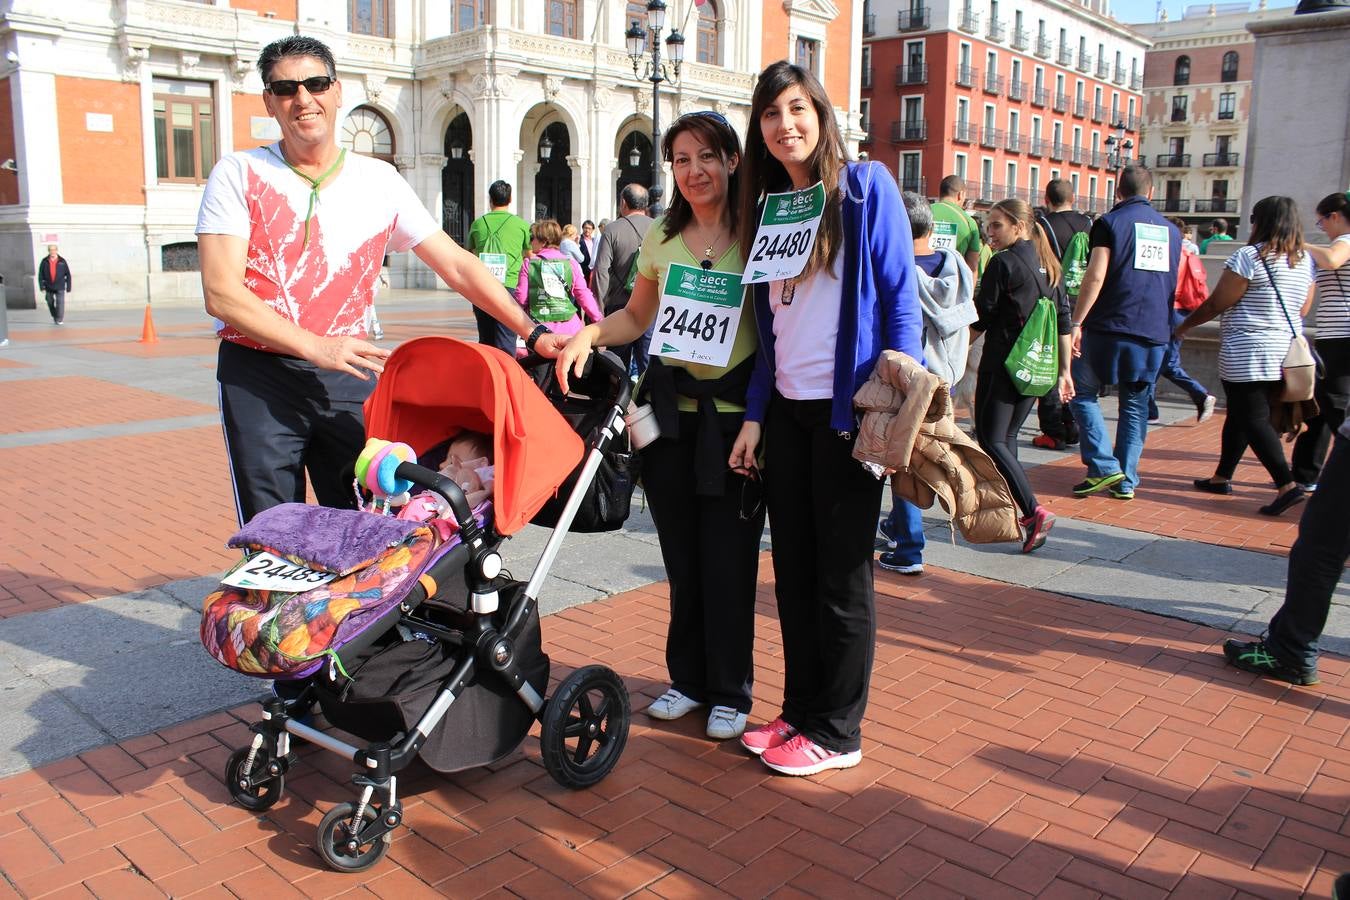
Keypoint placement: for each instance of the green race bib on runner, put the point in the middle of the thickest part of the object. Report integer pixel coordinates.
(497, 264)
(1151, 248)
(699, 314)
(944, 236)
(787, 232)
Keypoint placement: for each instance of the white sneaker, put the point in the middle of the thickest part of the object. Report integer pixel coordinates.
(671, 705)
(724, 723)
(1206, 409)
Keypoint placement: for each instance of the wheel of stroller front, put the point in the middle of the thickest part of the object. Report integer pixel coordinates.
(338, 842)
(585, 727)
(259, 787)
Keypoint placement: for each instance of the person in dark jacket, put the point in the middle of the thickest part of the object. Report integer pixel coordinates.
(54, 282)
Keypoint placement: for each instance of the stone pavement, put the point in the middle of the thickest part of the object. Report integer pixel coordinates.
(1018, 740)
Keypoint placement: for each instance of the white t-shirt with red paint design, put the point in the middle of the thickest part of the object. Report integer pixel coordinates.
(323, 283)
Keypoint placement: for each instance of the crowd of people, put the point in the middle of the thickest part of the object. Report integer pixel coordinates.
(802, 267)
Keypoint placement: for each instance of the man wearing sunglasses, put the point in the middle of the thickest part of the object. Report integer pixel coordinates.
(291, 237)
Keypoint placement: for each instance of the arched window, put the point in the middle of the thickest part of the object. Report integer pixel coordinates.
(368, 133)
(1182, 73)
(1230, 66)
(709, 50)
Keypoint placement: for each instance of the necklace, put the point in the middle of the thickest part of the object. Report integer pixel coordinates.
(707, 262)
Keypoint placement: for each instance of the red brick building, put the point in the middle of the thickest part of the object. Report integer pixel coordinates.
(1006, 97)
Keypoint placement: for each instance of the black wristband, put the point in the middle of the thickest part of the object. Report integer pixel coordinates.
(539, 331)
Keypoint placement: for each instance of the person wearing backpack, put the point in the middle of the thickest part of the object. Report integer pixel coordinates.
(550, 285)
(501, 239)
(615, 268)
(1008, 299)
(1067, 232)
(1192, 289)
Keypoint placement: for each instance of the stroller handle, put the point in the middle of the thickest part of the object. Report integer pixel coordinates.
(604, 375)
(446, 487)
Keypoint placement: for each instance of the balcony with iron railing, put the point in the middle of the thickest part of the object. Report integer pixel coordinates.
(993, 83)
(1097, 159)
(1221, 160)
(991, 138)
(914, 19)
(1040, 96)
(1099, 112)
(1136, 82)
(1065, 57)
(970, 20)
(1132, 123)
(997, 31)
(917, 185)
(1043, 47)
(1172, 205)
(966, 76)
(1224, 115)
(1021, 39)
(1118, 74)
(869, 24)
(910, 130)
(990, 192)
(1216, 205)
(1017, 90)
(1103, 70)
(965, 132)
(1058, 151)
(1036, 147)
(916, 73)
(1084, 61)
(1077, 156)
(1173, 161)
(1081, 107)
(1061, 103)
(1015, 142)
(1178, 114)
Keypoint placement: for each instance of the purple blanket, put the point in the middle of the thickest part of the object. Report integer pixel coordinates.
(332, 540)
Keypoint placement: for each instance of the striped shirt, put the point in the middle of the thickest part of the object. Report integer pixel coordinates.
(1254, 334)
(1333, 299)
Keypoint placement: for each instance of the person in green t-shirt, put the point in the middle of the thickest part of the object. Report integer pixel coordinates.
(1218, 231)
(501, 239)
(953, 228)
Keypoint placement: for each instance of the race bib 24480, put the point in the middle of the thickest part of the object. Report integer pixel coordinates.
(787, 232)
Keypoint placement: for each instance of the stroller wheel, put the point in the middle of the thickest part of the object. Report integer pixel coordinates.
(258, 788)
(341, 848)
(585, 726)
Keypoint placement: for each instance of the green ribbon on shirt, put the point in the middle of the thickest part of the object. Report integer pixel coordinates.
(314, 184)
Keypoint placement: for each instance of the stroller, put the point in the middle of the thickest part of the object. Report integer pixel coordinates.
(444, 661)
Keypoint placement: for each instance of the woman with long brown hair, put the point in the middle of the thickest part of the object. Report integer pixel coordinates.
(1015, 279)
(820, 334)
(1265, 291)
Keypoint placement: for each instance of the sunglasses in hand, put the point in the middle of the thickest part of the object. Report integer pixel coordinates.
(315, 84)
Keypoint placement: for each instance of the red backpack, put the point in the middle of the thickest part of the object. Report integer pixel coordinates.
(1192, 284)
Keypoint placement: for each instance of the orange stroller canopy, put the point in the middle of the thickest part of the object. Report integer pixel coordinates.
(435, 387)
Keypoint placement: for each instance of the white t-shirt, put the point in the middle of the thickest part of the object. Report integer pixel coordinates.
(1254, 334)
(805, 331)
(1333, 299)
(323, 283)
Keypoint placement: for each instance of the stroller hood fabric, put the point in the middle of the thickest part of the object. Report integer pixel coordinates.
(435, 387)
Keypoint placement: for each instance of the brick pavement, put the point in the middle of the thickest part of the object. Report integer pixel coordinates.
(1018, 744)
(1167, 504)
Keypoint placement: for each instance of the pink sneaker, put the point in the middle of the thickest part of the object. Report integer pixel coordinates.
(766, 737)
(803, 756)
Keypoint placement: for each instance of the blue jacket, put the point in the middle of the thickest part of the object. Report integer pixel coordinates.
(879, 307)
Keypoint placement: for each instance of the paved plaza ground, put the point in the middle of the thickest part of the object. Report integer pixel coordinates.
(1059, 725)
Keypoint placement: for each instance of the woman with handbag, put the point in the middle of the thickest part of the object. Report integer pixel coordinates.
(1013, 284)
(709, 520)
(1261, 298)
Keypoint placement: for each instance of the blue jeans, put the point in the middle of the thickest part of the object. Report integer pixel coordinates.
(1173, 372)
(1100, 457)
(905, 524)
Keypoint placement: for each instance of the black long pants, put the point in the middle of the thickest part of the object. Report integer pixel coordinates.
(1000, 410)
(56, 305)
(1316, 563)
(494, 333)
(284, 418)
(711, 554)
(823, 509)
(1248, 424)
(1333, 396)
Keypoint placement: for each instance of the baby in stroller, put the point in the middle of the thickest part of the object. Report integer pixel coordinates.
(406, 631)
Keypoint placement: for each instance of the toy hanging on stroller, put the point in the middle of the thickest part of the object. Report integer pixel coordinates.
(408, 634)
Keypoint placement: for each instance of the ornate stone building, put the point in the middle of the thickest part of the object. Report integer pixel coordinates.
(113, 111)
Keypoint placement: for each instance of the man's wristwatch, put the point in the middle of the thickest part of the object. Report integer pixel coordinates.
(539, 331)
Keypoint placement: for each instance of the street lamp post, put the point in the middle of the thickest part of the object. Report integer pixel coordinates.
(654, 71)
(1118, 146)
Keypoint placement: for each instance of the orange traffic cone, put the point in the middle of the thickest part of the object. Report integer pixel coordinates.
(148, 335)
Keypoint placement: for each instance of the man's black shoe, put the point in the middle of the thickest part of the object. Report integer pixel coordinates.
(1254, 656)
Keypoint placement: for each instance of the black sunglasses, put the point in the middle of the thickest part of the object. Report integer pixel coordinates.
(706, 114)
(315, 84)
